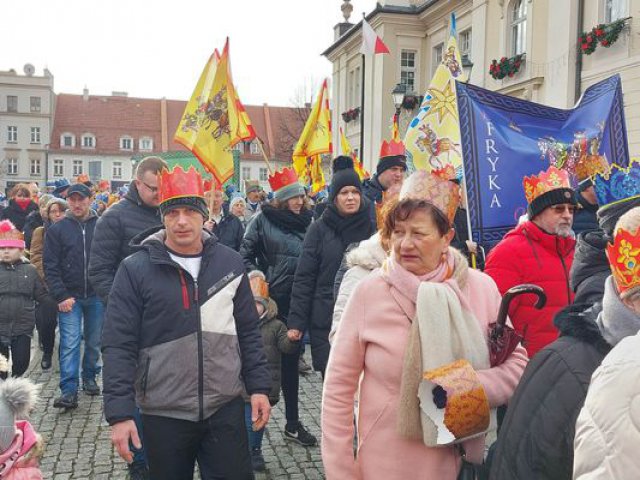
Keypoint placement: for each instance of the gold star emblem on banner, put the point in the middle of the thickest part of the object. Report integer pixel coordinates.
(443, 102)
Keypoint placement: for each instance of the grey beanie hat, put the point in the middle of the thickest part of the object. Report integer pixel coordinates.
(289, 191)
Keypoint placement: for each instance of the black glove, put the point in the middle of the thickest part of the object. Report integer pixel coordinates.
(439, 397)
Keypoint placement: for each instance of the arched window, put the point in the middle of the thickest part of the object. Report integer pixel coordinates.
(518, 17)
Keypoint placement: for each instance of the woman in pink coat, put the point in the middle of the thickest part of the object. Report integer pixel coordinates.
(375, 337)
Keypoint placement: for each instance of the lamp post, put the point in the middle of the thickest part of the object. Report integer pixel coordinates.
(398, 94)
(467, 66)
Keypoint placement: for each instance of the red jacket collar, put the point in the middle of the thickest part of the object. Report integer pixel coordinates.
(553, 243)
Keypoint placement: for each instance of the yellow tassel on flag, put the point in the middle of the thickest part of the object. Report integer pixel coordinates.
(214, 119)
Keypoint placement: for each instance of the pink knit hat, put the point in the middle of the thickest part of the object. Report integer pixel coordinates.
(10, 236)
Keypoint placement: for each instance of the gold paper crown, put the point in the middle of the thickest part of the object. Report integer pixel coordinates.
(624, 259)
(445, 173)
(544, 182)
(422, 185)
(591, 165)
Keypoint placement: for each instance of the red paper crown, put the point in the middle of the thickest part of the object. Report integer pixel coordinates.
(392, 149)
(445, 173)
(423, 185)
(624, 259)
(544, 182)
(286, 176)
(212, 184)
(178, 183)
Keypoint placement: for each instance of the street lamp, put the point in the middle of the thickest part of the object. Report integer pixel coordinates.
(467, 66)
(398, 94)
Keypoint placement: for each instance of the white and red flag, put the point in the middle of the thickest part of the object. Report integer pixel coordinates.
(371, 42)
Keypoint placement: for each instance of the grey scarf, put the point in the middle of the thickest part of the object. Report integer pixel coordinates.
(616, 321)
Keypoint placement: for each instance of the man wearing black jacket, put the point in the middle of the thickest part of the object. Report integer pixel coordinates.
(181, 340)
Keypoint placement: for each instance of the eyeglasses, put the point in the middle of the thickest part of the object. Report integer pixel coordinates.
(151, 189)
(559, 209)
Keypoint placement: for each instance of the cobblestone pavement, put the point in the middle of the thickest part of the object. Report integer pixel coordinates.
(78, 442)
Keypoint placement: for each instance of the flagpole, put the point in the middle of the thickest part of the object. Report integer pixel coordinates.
(361, 153)
(264, 156)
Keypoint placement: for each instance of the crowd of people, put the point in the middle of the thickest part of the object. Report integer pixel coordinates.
(193, 309)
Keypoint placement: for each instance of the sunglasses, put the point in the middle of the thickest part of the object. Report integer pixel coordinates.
(559, 209)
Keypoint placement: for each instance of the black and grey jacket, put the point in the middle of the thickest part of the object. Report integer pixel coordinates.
(176, 346)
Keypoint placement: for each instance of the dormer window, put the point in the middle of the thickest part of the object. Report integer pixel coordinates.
(146, 144)
(255, 148)
(88, 141)
(67, 140)
(126, 143)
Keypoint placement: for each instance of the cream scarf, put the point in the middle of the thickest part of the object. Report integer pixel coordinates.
(445, 329)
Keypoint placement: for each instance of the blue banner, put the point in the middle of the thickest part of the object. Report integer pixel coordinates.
(505, 139)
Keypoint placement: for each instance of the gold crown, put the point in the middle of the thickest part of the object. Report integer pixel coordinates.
(423, 185)
(624, 259)
(544, 182)
(591, 165)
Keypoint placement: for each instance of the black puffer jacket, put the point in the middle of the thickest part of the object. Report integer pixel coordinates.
(20, 287)
(229, 231)
(590, 267)
(67, 251)
(274, 249)
(17, 216)
(184, 346)
(114, 231)
(33, 221)
(536, 438)
(312, 298)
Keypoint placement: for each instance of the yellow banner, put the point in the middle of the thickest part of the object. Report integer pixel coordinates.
(433, 137)
(345, 149)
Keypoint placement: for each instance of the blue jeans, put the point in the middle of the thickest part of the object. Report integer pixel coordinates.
(255, 438)
(83, 321)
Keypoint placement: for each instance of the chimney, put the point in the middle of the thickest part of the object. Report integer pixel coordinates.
(119, 94)
(85, 94)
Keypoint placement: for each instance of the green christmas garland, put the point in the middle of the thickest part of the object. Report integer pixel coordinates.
(606, 35)
(506, 67)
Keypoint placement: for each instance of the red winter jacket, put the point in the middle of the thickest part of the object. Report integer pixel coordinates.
(527, 254)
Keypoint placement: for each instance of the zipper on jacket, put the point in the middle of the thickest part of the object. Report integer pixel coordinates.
(566, 274)
(200, 353)
(145, 378)
(84, 256)
(185, 292)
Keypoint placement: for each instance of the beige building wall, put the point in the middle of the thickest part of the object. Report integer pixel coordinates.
(548, 75)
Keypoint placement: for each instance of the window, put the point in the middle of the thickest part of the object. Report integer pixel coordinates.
(77, 168)
(67, 140)
(88, 141)
(58, 168)
(518, 26)
(12, 134)
(354, 87)
(126, 143)
(95, 170)
(264, 174)
(436, 57)
(146, 144)
(34, 103)
(35, 134)
(117, 170)
(255, 148)
(12, 103)
(408, 69)
(246, 173)
(239, 147)
(464, 43)
(614, 10)
(35, 166)
(12, 166)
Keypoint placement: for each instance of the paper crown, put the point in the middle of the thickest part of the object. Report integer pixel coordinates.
(178, 183)
(466, 413)
(624, 259)
(212, 184)
(283, 178)
(392, 149)
(618, 184)
(10, 236)
(544, 182)
(82, 178)
(591, 165)
(446, 173)
(423, 185)
(259, 285)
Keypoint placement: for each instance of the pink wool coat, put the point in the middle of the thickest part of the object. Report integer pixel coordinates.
(371, 339)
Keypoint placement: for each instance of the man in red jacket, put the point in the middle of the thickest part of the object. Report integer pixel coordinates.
(538, 251)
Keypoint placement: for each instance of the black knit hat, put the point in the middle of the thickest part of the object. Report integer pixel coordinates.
(195, 203)
(343, 176)
(552, 197)
(385, 163)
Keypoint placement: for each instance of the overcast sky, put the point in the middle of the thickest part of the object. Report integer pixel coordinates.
(158, 48)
